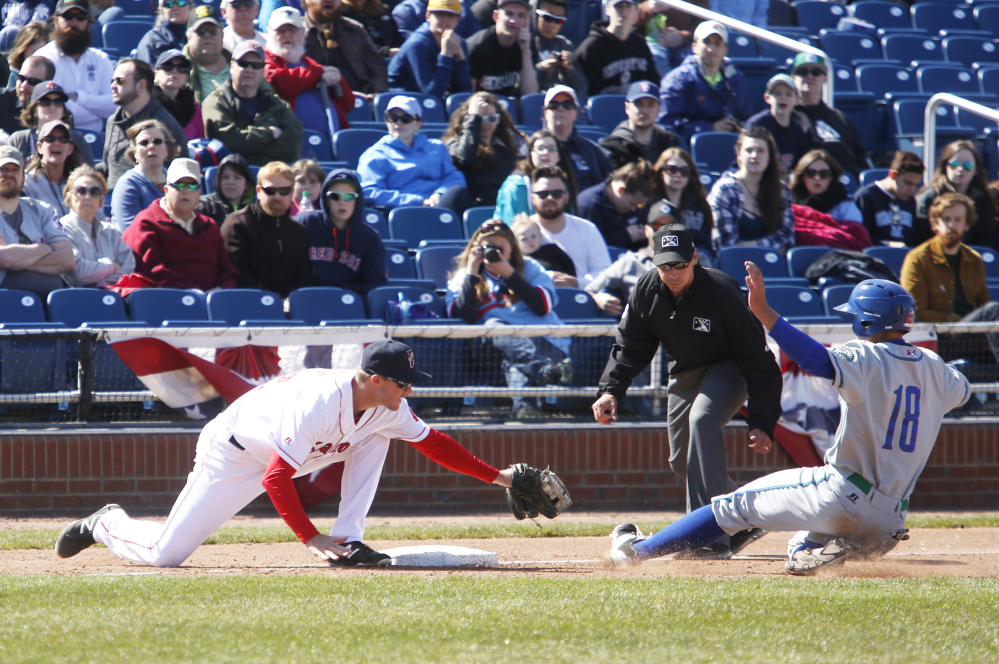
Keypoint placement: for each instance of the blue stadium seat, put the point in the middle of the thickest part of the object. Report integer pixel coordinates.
(886, 77)
(713, 150)
(779, 53)
(475, 217)
(991, 259)
(606, 111)
(947, 78)
(316, 145)
(967, 50)
(29, 366)
(935, 17)
(75, 306)
(378, 299)
(845, 46)
(860, 108)
(454, 102)
(795, 302)
(415, 223)
(883, 14)
(247, 307)
(576, 305)
(398, 264)
(816, 15)
(846, 78)
(893, 257)
(17, 307)
(136, 9)
(362, 111)
(432, 107)
(973, 120)
(169, 307)
(95, 140)
(800, 258)
(872, 175)
(988, 77)
(909, 48)
(742, 46)
(531, 106)
(833, 296)
(987, 18)
(325, 304)
(909, 123)
(350, 144)
(771, 263)
(121, 37)
(436, 263)
(376, 220)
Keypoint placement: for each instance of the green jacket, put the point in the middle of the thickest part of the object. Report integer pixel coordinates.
(253, 139)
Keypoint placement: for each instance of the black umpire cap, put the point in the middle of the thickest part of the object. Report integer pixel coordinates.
(673, 244)
(393, 360)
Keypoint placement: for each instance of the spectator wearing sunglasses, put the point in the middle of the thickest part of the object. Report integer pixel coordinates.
(83, 72)
(680, 185)
(960, 170)
(268, 248)
(407, 168)
(132, 92)
(151, 148)
(239, 17)
(551, 52)
(175, 246)
(102, 257)
(815, 183)
(56, 156)
(48, 104)
(25, 70)
(170, 89)
(484, 144)
(209, 59)
(590, 165)
(248, 119)
(170, 31)
(614, 54)
(639, 137)
(434, 59)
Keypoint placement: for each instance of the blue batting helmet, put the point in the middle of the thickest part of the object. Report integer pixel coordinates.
(880, 305)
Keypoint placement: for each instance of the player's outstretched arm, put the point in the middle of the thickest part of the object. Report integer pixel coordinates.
(758, 296)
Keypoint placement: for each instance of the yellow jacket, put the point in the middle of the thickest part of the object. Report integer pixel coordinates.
(928, 277)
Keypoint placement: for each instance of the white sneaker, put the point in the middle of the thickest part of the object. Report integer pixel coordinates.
(622, 538)
(807, 560)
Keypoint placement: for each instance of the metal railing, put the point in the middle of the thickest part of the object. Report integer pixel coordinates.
(930, 124)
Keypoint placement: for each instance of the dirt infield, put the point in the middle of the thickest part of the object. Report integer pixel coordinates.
(931, 552)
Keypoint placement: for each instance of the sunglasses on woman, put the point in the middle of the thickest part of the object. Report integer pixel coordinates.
(549, 17)
(170, 4)
(818, 173)
(181, 67)
(399, 119)
(56, 139)
(45, 102)
(185, 186)
(491, 226)
(84, 192)
(567, 105)
(146, 142)
(277, 191)
(678, 170)
(339, 196)
(966, 165)
(491, 118)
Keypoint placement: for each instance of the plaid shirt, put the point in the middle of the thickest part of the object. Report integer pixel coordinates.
(727, 202)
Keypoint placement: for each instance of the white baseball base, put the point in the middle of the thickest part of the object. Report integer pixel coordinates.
(435, 555)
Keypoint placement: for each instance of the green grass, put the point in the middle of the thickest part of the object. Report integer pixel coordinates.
(43, 539)
(401, 618)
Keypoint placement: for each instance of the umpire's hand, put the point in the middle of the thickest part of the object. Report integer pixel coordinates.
(759, 441)
(605, 409)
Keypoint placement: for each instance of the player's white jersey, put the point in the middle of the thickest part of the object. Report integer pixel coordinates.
(308, 417)
(893, 398)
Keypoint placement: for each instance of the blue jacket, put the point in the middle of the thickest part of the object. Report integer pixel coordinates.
(410, 14)
(132, 194)
(394, 174)
(691, 104)
(595, 205)
(590, 164)
(419, 66)
(160, 39)
(353, 258)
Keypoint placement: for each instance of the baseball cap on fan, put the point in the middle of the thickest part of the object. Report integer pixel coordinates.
(64, 6)
(673, 244)
(203, 14)
(285, 16)
(183, 168)
(708, 28)
(560, 90)
(393, 360)
(450, 6)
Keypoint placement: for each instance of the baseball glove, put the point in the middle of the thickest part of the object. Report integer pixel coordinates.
(535, 492)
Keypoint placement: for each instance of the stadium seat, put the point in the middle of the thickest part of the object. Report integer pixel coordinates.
(991, 259)
(75, 306)
(833, 296)
(350, 144)
(795, 302)
(29, 366)
(908, 115)
(885, 15)
(606, 111)
(398, 264)
(713, 150)
(861, 109)
(432, 107)
(316, 145)
(988, 77)
(779, 53)
(247, 307)
(475, 217)
(17, 307)
(376, 220)
(531, 106)
(136, 9)
(454, 102)
(872, 175)
(325, 304)
(846, 78)
(575, 305)
(967, 50)
(169, 307)
(909, 48)
(122, 36)
(816, 15)
(95, 140)
(846, 46)
(742, 46)
(947, 78)
(893, 257)
(731, 260)
(934, 17)
(886, 77)
(362, 111)
(800, 258)
(436, 263)
(415, 223)
(378, 299)
(987, 18)
(973, 120)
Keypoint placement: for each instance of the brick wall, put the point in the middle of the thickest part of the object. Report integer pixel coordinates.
(607, 468)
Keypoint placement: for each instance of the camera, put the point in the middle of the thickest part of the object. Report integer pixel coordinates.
(491, 253)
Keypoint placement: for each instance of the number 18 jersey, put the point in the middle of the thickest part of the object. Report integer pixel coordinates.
(893, 397)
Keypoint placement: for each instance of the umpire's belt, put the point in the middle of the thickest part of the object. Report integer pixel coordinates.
(877, 498)
(235, 443)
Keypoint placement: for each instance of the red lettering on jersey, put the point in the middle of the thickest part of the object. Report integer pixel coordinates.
(342, 447)
(324, 449)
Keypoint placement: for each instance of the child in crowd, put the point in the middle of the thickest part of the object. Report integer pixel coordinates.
(792, 130)
(531, 243)
(308, 178)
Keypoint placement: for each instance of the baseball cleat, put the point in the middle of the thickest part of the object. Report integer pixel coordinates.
(79, 535)
(622, 538)
(361, 555)
(806, 560)
(744, 538)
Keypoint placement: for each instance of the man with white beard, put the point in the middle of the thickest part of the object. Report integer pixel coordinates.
(299, 79)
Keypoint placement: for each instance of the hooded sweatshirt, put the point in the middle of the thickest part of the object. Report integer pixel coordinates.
(624, 149)
(611, 64)
(352, 258)
(215, 205)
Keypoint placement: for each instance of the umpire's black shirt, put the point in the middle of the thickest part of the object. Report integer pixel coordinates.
(708, 324)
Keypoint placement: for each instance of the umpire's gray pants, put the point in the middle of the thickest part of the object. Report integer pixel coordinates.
(701, 402)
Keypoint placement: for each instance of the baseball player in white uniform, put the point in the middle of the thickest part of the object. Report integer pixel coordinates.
(285, 428)
(893, 397)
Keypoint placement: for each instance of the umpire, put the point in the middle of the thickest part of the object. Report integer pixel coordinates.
(718, 356)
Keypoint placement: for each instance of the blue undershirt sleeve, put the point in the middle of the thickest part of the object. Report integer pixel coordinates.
(810, 355)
